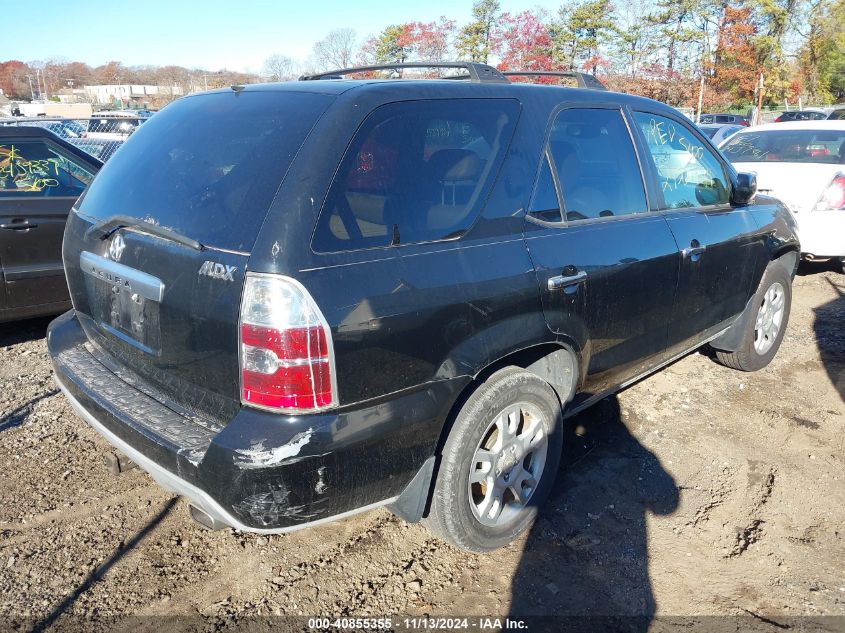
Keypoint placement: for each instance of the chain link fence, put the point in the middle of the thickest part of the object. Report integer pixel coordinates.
(101, 135)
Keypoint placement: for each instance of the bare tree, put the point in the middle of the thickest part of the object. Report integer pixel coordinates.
(277, 68)
(335, 50)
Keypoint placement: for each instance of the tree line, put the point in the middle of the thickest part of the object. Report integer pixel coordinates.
(663, 49)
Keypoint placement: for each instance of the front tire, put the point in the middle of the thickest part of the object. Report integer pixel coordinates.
(765, 330)
(498, 463)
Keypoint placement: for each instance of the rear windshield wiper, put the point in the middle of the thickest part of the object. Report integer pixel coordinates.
(108, 226)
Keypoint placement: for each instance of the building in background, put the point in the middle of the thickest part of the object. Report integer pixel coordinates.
(129, 95)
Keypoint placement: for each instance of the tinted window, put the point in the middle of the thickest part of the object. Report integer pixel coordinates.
(36, 168)
(788, 146)
(710, 131)
(207, 166)
(596, 165)
(416, 171)
(837, 115)
(690, 174)
(113, 126)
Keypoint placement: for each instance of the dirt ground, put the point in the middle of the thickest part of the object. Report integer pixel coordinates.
(699, 491)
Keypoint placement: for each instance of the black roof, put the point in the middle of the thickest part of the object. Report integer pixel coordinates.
(402, 89)
(15, 131)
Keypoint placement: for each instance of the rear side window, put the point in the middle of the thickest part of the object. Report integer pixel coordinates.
(32, 168)
(207, 166)
(690, 174)
(592, 153)
(416, 171)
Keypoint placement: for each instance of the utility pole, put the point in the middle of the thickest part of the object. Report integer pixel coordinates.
(760, 101)
(700, 99)
(31, 91)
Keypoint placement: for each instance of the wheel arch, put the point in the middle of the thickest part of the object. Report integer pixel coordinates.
(556, 363)
(731, 339)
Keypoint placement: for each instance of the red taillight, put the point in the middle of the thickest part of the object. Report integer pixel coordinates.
(833, 198)
(286, 358)
(779, 120)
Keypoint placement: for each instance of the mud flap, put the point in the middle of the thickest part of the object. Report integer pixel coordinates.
(731, 339)
(410, 505)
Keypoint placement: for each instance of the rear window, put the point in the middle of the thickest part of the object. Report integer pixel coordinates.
(787, 146)
(416, 171)
(207, 166)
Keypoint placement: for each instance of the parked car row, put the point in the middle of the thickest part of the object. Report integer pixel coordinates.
(100, 135)
(835, 113)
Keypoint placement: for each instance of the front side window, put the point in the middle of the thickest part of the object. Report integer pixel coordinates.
(416, 171)
(31, 168)
(690, 175)
(593, 156)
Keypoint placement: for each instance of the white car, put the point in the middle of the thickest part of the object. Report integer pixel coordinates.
(114, 125)
(802, 164)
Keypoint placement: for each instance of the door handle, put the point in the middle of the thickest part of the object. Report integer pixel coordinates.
(694, 250)
(18, 226)
(562, 281)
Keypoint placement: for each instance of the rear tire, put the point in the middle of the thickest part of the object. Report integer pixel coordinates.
(498, 463)
(765, 329)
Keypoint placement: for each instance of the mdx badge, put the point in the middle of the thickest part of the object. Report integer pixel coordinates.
(218, 271)
(116, 247)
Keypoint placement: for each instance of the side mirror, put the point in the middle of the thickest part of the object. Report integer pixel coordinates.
(745, 188)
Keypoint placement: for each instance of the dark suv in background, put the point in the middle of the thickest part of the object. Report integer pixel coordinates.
(723, 119)
(41, 176)
(297, 301)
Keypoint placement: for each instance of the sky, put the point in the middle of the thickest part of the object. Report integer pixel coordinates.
(211, 34)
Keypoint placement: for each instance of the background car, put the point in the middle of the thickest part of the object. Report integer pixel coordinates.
(736, 119)
(114, 126)
(801, 115)
(41, 176)
(719, 132)
(803, 164)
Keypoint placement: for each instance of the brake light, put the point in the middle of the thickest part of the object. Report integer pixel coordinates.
(286, 355)
(833, 198)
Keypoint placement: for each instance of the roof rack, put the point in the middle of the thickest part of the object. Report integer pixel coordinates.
(477, 73)
(582, 80)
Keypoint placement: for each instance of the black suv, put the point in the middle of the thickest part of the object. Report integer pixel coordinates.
(295, 302)
(41, 176)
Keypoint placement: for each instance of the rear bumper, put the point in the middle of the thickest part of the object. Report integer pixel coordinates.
(260, 472)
